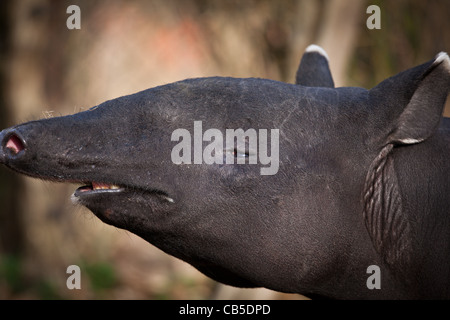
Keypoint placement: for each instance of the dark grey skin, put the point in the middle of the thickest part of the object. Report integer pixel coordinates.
(363, 179)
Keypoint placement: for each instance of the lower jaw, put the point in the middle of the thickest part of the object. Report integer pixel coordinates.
(89, 191)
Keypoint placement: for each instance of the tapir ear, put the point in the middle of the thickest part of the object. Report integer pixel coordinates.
(413, 101)
(314, 70)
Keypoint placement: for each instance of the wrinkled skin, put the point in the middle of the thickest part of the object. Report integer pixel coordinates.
(315, 226)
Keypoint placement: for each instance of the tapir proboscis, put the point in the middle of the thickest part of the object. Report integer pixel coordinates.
(362, 177)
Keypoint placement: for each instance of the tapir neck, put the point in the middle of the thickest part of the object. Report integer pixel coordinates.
(424, 180)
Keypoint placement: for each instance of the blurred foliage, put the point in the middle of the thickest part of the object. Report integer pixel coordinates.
(15, 283)
(101, 276)
(411, 33)
(11, 273)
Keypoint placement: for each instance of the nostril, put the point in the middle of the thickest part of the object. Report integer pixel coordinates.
(14, 144)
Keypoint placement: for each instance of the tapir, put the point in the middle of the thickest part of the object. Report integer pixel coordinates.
(358, 208)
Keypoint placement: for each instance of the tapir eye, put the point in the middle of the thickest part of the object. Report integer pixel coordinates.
(240, 154)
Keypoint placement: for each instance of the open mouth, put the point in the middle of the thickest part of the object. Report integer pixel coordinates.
(103, 188)
(97, 187)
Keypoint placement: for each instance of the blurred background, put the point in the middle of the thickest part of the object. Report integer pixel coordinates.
(126, 46)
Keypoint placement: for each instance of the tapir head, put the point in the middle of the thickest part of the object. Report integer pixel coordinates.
(254, 182)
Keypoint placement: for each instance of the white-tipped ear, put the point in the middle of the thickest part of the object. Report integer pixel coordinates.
(314, 70)
(413, 101)
(443, 58)
(318, 49)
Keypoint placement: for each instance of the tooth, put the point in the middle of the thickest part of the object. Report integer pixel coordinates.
(103, 186)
